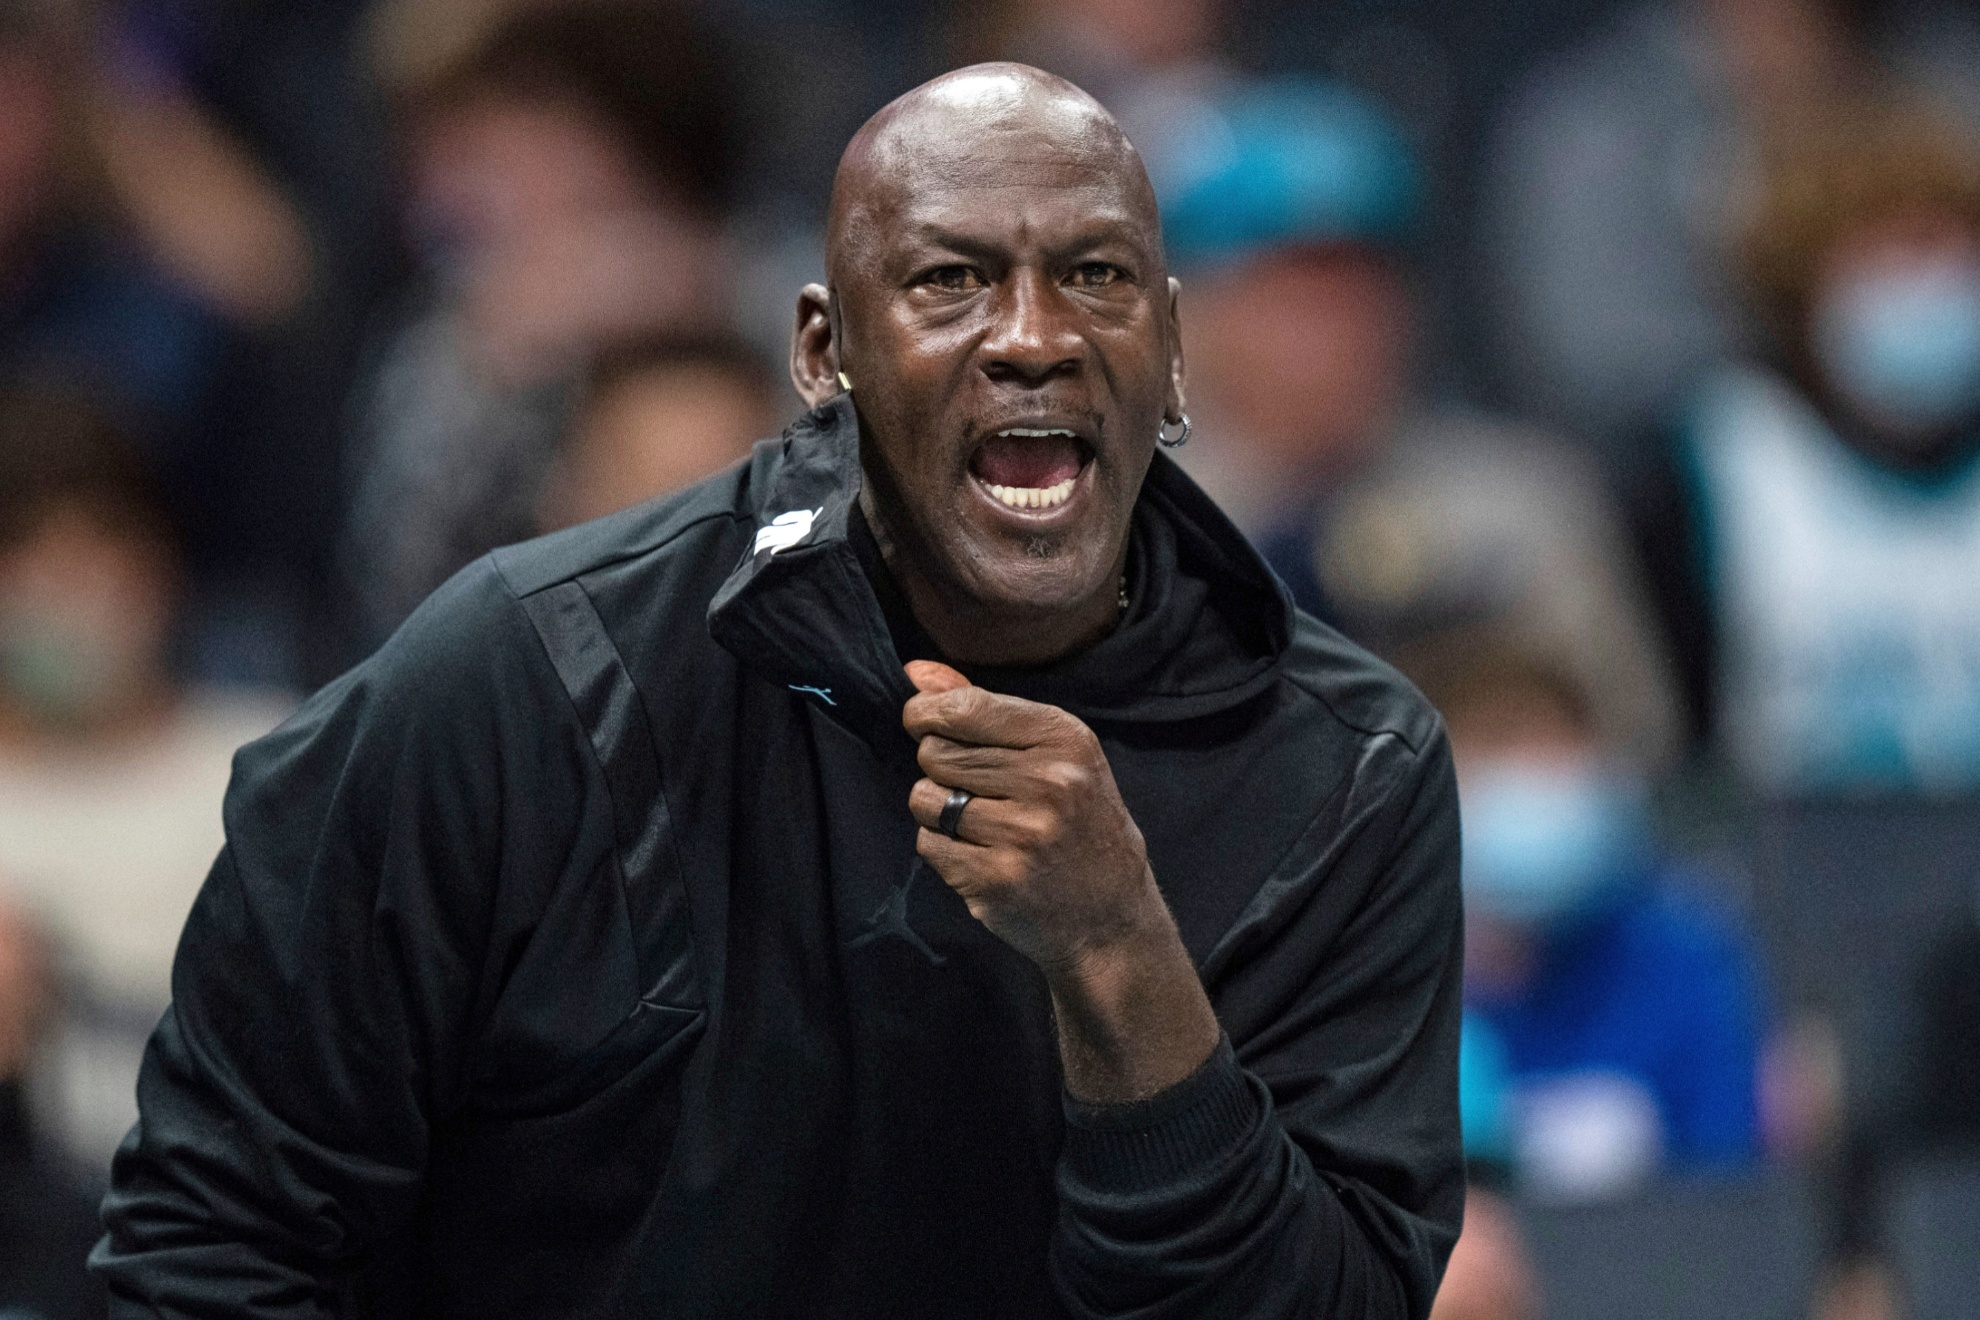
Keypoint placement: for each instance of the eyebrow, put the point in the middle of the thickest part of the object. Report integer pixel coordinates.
(1118, 231)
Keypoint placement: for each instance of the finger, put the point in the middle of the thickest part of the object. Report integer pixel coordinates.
(986, 821)
(933, 676)
(986, 771)
(962, 865)
(988, 719)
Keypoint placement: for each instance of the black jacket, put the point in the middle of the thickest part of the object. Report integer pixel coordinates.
(571, 957)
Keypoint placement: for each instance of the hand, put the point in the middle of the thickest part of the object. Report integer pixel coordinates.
(1050, 860)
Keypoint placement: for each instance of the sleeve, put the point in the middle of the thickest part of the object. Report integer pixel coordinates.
(1313, 1166)
(331, 972)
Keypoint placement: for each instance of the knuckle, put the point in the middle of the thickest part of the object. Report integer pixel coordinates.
(1036, 827)
(1076, 734)
(1009, 868)
(1065, 781)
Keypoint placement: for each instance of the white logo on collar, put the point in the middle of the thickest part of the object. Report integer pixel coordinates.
(785, 530)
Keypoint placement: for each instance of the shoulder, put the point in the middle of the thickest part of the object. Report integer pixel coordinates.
(702, 519)
(1363, 695)
(1380, 760)
(474, 635)
(471, 649)
(461, 670)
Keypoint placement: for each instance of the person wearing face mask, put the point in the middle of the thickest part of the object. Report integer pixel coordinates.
(1836, 484)
(1624, 1004)
(111, 774)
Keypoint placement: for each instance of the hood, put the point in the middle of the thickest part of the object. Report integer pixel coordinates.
(1205, 628)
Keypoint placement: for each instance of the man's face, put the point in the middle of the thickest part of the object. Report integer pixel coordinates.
(1007, 321)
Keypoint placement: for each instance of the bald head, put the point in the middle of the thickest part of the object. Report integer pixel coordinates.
(1000, 304)
(984, 126)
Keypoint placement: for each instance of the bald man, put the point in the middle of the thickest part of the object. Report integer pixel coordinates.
(929, 870)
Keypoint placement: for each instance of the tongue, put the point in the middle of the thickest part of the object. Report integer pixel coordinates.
(1027, 461)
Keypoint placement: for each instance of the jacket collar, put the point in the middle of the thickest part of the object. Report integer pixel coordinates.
(1206, 625)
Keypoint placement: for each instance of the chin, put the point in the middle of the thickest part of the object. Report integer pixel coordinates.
(1036, 572)
(1033, 586)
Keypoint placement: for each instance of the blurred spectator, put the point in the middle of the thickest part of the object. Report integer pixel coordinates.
(131, 229)
(110, 775)
(1386, 512)
(1626, 1005)
(657, 416)
(1468, 524)
(149, 259)
(1281, 201)
(567, 189)
(47, 1213)
(1286, 208)
(1837, 479)
(1610, 173)
(259, 495)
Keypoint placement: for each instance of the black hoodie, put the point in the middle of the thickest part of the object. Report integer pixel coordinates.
(571, 957)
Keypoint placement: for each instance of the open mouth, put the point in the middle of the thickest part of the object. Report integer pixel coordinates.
(1027, 467)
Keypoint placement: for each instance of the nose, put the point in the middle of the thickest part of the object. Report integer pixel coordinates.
(1033, 337)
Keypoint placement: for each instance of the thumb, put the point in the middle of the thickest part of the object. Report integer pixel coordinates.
(932, 676)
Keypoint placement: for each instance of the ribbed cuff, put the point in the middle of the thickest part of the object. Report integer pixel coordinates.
(1139, 1146)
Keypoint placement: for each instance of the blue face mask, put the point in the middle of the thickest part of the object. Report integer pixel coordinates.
(1543, 843)
(1903, 346)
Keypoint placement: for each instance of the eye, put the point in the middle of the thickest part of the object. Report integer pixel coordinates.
(954, 279)
(1095, 275)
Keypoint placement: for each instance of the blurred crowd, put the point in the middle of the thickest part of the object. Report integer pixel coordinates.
(1612, 369)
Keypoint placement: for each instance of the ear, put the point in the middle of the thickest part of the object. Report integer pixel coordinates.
(1177, 399)
(815, 347)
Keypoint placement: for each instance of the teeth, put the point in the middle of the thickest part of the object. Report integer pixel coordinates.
(1027, 431)
(1035, 497)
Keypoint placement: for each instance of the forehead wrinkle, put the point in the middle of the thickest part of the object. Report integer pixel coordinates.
(1006, 120)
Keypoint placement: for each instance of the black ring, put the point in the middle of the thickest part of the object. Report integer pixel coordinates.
(950, 821)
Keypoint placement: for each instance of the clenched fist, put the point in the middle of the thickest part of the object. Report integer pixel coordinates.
(1049, 859)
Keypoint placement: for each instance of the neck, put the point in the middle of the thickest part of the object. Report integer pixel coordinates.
(969, 631)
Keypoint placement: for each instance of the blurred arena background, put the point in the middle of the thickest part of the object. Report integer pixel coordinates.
(1610, 366)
